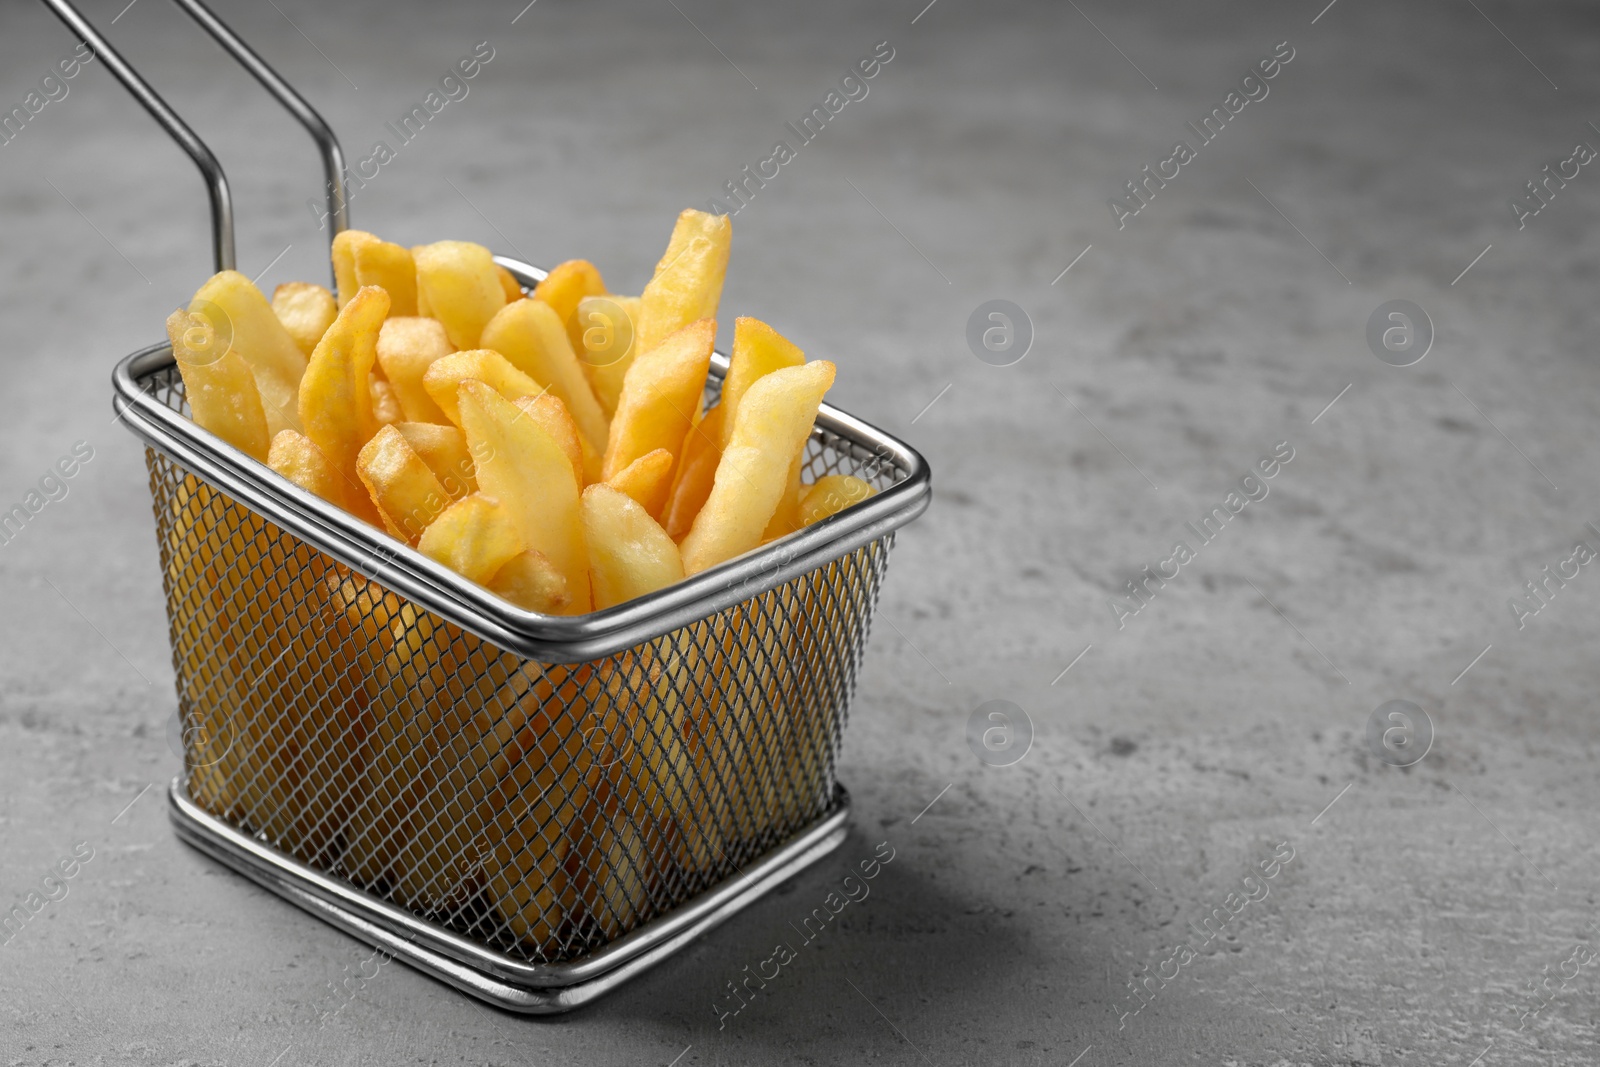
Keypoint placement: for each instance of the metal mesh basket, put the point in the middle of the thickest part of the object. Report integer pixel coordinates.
(552, 822)
(532, 808)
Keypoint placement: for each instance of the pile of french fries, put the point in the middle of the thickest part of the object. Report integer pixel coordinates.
(555, 449)
(514, 438)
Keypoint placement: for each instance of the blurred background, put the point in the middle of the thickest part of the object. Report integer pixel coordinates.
(1439, 900)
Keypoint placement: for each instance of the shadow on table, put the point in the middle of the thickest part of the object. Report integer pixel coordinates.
(907, 951)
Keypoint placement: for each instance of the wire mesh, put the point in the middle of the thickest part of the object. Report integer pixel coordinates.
(543, 810)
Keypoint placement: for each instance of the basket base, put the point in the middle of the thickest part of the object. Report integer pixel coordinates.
(534, 989)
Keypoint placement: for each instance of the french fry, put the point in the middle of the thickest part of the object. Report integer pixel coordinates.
(691, 483)
(687, 286)
(475, 537)
(592, 461)
(295, 457)
(530, 581)
(408, 496)
(522, 466)
(563, 288)
(509, 284)
(423, 309)
(688, 690)
(270, 750)
(529, 333)
(335, 393)
(551, 416)
(306, 311)
(210, 676)
(359, 258)
(732, 736)
(407, 347)
(660, 397)
(640, 792)
(257, 336)
(647, 480)
(312, 712)
(606, 329)
(629, 553)
(831, 494)
(774, 421)
(786, 516)
(444, 450)
(220, 387)
(385, 404)
(444, 377)
(758, 350)
(637, 790)
(539, 797)
(438, 725)
(459, 282)
(344, 264)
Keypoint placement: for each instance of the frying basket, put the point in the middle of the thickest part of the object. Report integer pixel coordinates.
(531, 808)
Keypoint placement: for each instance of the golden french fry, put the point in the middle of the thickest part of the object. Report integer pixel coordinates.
(691, 484)
(509, 284)
(344, 264)
(359, 258)
(201, 555)
(539, 798)
(660, 397)
(423, 308)
(220, 387)
(687, 686)
(474, 537)
(562, 289)
(295, 457)
(629, 553)
(403, 487)
(830, 495)
(306, 311)
(551, 414)
(385, 403)
(260, 338)
(271, 749)
(336, 395)
(444, 377)
(458, 280)
(522, 466)
(313, 712)
(647, 480)
(786, 516)
(444, 450)
(530, 335)
(773, 423)
(606, 331)
(531, 581)
(758, 350)
(407, 347)
(592, 461)
(389, 266)
(439, 722)
(688, 280)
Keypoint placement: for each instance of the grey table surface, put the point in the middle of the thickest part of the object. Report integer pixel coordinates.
(1441, 913)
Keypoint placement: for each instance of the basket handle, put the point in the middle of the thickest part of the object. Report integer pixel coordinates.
(327, 144)
(222, 244)
(177, 129)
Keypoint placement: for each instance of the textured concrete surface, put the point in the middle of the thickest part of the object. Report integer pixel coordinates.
(1422, 912)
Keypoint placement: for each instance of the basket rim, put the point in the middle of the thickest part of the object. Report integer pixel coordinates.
(549, 638)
